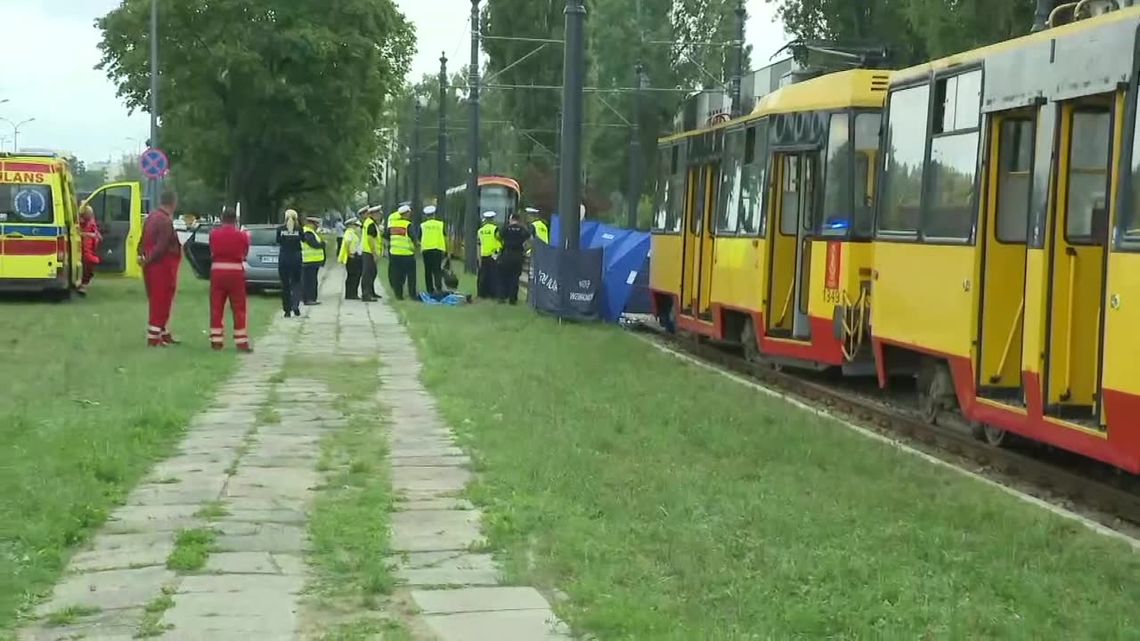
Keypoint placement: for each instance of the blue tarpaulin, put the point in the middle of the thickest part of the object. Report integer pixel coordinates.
(625, 265)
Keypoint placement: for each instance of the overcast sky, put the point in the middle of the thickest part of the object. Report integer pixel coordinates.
(75, 107)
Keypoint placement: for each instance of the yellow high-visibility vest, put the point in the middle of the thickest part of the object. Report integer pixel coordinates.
(489, 240)
(400, 238)
(542, 231)
(432, 236)
(349, 244)
(369, 243)
(311, 254)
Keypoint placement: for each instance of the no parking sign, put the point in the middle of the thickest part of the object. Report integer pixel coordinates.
(154, 163)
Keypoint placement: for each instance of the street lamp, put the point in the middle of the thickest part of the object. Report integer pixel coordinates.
(416, 204)
(16, 126)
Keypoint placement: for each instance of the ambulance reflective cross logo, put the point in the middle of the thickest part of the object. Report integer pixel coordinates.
(30, 203)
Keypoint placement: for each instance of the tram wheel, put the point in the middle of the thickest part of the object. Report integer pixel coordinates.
(935, 391)
(990, 435)
(748, 342)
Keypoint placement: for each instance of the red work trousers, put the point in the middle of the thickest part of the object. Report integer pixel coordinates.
(161, 280)
(228, 285)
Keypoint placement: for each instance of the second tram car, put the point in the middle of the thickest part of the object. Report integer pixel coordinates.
(496, 193)
(763, 224)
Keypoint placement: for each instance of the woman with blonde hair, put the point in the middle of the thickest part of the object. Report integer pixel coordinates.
(289, 263)
(89, 230)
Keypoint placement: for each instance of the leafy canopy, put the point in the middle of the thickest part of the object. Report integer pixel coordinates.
(267, 101)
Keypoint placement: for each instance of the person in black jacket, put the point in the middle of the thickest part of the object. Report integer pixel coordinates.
(289, 263)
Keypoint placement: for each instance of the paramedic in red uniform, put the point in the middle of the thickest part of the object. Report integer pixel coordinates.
(161, 256)
(229, 248)
(89, 229)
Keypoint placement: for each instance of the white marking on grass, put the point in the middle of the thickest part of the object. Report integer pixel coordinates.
(1033, 500)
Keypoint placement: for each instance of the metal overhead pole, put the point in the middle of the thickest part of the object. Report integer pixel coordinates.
(570, 166)
(152, 184)
(416, 157)
(441, 146)
(635, 159)
(738, 73)
(470, 249)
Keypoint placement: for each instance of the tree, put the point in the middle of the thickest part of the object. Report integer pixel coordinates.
(266, 101)
(620, 33)
(914, 30)
(86, 179)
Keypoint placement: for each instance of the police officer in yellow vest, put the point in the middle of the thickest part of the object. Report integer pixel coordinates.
(351, 256)
(312, 259)
(488, 253)
(371, 249)
(538, 225)
(433, 249)
(401, 253)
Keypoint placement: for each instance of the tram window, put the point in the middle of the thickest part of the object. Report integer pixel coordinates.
(1130, 221)
(866, 148)
(1014, 180)
(753, 180)
(661, 209)
(958, 100)
(728, 205)
(906, 152)
(790, 202)
(1089, 164)
(953, 163)
(837, 187)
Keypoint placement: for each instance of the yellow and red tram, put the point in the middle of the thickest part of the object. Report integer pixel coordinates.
(1007, 241)
(499, 194)
(763, 224)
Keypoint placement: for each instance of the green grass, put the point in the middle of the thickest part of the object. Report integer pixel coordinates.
(87, 409)
(70, 615)
(671, 503)
(212, 511)
(151, 624)
(348, 526)
(191, 550)
(367, 630)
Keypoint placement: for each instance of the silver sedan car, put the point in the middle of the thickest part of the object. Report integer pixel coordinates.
(260, 267)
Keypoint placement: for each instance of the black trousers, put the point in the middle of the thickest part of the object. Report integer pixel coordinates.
(488, 281)
(368, 277)
(309, 281)
(352, 278)
(402, 269)
(510, 271)
(433, 270)
(290, 275)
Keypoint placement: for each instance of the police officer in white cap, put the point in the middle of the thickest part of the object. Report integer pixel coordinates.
(433, 249)
(371, 250)
(489, 246)
(402, 239)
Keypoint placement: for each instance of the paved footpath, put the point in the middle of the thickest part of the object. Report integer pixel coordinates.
(252, 478)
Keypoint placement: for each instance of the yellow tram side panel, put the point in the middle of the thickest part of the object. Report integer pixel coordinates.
(838, 269)
(739, 273)
(665, 263)
(922, 295)
(1122, 340)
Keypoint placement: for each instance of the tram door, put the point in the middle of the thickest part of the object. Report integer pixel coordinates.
(693, 216)
(697, 277)
(1077, 257)
(791, 246)
(1007, 203)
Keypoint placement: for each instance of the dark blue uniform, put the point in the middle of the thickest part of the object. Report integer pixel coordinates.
(289, 269)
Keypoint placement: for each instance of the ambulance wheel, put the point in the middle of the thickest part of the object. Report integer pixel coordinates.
(990, 435)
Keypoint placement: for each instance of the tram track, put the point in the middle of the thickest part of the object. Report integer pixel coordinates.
(1066, 486)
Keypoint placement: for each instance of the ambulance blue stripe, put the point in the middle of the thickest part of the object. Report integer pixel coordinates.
(42, 231)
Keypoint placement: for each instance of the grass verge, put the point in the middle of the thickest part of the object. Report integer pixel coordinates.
(671, 503)
(151, 624)
(348, 525)
(87, 409)
(69, 615)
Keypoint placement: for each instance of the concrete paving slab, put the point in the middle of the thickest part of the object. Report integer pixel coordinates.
(517, 625)
(109, 590)
(454, 570)
(437, 479)
(478, 599)
(434, 530)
